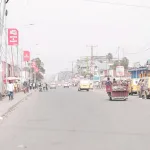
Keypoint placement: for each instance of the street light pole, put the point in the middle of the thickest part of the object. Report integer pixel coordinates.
(6, 50)
(92, 61)
(3, 15)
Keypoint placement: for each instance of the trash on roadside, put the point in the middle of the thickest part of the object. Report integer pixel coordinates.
(22, 146)
(1, 118)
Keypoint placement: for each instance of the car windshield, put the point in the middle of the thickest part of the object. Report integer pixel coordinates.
(84, 82)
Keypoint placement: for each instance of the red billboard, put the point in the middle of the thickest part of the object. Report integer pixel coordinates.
(26, 56)
(13, 37)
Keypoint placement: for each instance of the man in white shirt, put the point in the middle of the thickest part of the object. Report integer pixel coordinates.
(10, 89)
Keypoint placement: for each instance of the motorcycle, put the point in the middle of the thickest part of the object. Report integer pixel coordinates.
(40, 89)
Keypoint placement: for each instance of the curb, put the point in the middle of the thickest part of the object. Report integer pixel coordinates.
(14, 106)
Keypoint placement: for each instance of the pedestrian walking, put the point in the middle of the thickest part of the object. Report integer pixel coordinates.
(142, 89)
(46, 86)
(15, 87)
(139, 88)
(26, 86)
(142, 85)
(34, 85)
(31, 85)
(10, 89)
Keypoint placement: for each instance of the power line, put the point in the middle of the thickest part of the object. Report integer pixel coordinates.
(120, 4)
(140, 51)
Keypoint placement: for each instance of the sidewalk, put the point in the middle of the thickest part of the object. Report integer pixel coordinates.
(6, 104)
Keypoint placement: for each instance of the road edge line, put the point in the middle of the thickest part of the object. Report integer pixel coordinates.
(12, 107)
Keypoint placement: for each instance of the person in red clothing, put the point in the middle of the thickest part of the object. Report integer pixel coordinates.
(108, 87)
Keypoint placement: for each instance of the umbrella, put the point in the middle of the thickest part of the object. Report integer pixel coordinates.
(12, 78)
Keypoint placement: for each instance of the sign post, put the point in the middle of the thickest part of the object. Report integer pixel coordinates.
(13, 40)
(26, 58)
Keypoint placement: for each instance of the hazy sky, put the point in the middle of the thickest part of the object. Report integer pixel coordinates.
(63, 28)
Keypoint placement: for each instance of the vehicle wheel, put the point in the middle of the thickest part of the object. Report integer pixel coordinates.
(125, 99)
(88, 90)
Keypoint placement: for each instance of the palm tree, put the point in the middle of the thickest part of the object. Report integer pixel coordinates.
(6, 1)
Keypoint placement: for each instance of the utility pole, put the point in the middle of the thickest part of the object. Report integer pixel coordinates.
(6, 49)
(21, 53)
(17, 61)
(118, 55)
(2, 17)
(92, 61)
(12, 61)
(72, 68)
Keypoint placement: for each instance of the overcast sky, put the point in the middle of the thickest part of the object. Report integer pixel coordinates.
(63, 28)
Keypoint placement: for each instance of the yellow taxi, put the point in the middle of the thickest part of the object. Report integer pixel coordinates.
(134, 87)
(84, 84)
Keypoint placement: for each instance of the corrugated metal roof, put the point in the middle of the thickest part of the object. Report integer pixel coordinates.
(138, 69)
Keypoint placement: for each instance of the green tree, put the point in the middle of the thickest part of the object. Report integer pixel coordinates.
(40, 66)
(109, 57)
(125, 62)
(116, 63)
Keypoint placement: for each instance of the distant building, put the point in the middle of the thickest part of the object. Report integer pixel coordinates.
(137, 72)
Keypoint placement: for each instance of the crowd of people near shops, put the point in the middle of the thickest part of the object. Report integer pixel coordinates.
(33, 86)
(15, 87)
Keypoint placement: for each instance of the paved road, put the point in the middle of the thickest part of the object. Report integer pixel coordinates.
(65, 119)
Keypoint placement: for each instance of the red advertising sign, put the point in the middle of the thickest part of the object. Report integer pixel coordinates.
(13, 37)
(26, 56)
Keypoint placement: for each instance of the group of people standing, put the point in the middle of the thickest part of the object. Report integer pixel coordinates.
(29, 86)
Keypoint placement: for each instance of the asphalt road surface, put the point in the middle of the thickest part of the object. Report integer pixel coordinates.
(64, 119)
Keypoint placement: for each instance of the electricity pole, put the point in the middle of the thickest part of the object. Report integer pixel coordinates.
(92, 61)
(118, 55)
(17, 61)
(72, 68)
(3, 15)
